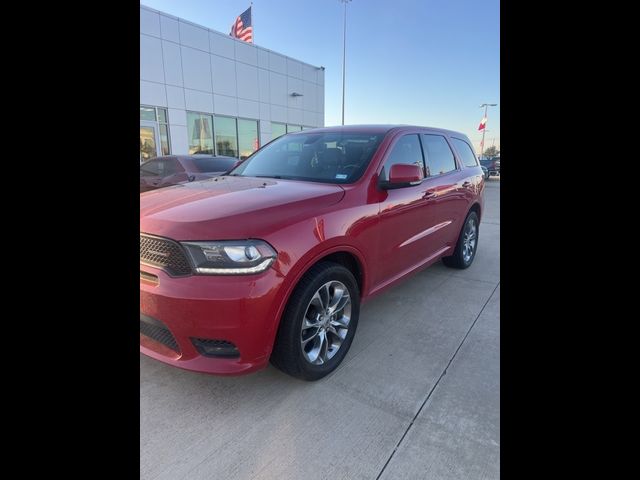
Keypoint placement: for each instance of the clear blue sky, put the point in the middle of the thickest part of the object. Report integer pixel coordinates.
(424, 62)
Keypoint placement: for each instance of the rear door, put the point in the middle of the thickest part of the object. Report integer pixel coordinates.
(444, 192)
(473, 182)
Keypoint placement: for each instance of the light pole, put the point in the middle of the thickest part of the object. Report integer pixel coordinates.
(482, 141)
(485, 105)
(344, 52)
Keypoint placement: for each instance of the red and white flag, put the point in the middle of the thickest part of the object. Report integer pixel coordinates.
(483, 123)
(242, 28)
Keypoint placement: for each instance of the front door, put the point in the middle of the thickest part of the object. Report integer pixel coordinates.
(149, 141)
(402, 243)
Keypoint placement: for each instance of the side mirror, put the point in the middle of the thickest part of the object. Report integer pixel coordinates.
(403, 175)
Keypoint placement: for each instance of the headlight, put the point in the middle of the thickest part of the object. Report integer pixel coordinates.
(230, 257)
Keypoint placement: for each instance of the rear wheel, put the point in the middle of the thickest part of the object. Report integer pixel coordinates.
(467, 245)
(319, 323)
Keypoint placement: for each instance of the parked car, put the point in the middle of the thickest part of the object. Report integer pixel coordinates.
(272, 261)
(492, 165)
(174, 169)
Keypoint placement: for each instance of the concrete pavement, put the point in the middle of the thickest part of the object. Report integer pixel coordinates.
(417, 397)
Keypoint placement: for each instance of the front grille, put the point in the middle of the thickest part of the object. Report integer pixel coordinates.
(155, 330)
(165, 254)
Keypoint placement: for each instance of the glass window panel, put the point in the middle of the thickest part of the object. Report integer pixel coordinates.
(164, 139)
(147, 143)
(330, 157)
(293, 128)
(148, 113)
(162, 115)
(438, 155)
(226, 136)
(247, 137)
(200, 132)
(406, 151)
(152, 167)
(277, 130)
(468, 158)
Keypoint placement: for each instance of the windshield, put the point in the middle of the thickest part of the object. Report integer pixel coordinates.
(316, 157)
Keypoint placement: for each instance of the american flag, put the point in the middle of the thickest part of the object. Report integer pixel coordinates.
(242, 28)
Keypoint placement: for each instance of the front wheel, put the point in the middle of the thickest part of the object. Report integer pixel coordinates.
(467, 244)
(319, 323)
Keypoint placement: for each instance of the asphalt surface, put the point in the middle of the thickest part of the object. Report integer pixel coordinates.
(417, 397)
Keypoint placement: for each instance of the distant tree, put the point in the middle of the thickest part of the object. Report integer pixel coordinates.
(492, 151)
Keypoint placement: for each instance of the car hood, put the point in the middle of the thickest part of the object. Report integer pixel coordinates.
(232, 207)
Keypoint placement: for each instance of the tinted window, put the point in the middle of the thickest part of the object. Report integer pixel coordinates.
(214, 164)
(317, 157)
(486, 162)
(406, 150)
(150, 168)
(161, 166)
(466, 154)
(438, 155)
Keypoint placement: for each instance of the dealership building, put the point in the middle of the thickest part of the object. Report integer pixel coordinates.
(204, 92)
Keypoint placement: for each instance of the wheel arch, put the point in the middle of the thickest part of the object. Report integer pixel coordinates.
(346, 255)
(476, 208)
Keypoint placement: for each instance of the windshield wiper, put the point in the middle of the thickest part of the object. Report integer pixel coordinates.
(279, 177)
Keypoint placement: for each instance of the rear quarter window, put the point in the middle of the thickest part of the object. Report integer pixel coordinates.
(465, 151)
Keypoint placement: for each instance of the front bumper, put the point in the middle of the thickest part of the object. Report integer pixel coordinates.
(242, 310)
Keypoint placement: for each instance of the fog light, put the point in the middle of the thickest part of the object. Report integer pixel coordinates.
(215, 348)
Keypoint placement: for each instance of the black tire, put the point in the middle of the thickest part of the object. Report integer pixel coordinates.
(457, 260)
(288, 354)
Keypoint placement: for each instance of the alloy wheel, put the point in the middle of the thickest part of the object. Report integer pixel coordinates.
(469, 240)
(325, 323)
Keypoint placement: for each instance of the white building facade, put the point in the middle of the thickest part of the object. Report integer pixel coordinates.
(204, 92)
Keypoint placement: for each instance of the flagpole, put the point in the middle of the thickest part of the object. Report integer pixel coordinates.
(484, 129)
(344, 52)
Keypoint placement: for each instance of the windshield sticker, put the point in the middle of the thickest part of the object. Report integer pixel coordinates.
(341, 176)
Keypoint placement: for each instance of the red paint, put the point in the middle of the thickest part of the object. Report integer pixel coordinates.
(405, 174)
(391, 233)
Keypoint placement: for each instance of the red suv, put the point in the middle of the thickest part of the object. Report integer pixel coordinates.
(272, 261)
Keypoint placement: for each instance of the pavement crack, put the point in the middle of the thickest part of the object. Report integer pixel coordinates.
(435, 385)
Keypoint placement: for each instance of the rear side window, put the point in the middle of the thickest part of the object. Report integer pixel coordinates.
(150, 168)
(406, 150)
(466, 154)
(438, 155)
